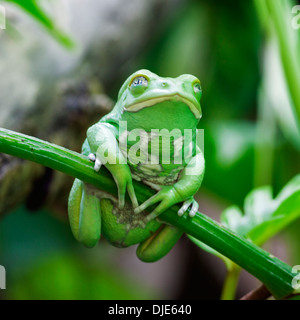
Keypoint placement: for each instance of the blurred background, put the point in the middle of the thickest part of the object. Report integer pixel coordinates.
(62, 63)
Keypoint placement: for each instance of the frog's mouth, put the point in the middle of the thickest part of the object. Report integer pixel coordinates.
(152, 102)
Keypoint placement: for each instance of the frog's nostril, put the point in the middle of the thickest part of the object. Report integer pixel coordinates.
(164, 84)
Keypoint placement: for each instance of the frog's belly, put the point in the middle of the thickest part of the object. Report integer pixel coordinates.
(155, 168)
(152, 162)
(156, 174)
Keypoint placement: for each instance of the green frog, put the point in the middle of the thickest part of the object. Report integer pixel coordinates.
(149, 136)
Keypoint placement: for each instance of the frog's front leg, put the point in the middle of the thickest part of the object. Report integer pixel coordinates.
(104, 145)
(182, 191)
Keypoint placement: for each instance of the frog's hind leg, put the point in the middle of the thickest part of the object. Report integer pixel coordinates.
(159, 244)
(84, 214)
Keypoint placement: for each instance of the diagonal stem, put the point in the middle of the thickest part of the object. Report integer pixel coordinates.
(275, 274)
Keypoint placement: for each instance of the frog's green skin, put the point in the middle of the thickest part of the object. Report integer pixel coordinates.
(146, 101)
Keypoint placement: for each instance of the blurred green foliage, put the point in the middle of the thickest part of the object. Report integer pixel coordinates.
(43, 262)
(34, 8)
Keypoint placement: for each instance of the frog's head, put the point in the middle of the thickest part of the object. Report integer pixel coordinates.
(144, 89)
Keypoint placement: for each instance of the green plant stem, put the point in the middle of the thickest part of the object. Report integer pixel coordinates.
(280, 19)
(275, 274)
(231, 282)
(264, 146)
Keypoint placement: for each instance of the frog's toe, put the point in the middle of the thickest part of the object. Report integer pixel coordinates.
(185, 206)
(194, 209)
(92, 157)
(97, 165)
(192, 203)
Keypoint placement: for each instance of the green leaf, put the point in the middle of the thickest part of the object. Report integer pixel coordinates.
(263, 216)
(286, 212)
(33, 8)
(258, 206)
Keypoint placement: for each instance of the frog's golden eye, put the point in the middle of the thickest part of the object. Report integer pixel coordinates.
(139, 84)
(197, 87)
(139, 81)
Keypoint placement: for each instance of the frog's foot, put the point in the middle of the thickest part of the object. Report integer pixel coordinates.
(166, 197)
(92, 157)
(152, 249)
(192, 203)
(127, 217)
(84, 214)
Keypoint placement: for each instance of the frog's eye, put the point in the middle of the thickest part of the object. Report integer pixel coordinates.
(139, 84)
(197, 87)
